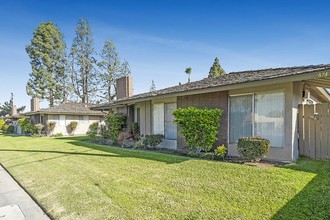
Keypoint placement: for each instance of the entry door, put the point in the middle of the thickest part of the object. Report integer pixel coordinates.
(170, 127)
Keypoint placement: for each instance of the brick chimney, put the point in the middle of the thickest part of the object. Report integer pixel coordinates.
(13, 111)
(35, 104)
(124, 87)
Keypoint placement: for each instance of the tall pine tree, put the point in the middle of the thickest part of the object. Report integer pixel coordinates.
(153, 86)
(110, 69)
(47, 54)
(82, 63)
(216, 69)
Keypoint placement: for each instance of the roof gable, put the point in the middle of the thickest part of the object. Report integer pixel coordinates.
(68, 108)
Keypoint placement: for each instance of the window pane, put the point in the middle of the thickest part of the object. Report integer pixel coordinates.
(158, 118)
(240, 121)
(170, 126)
(269, 117)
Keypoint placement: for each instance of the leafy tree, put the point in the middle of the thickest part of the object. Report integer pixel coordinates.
(111, 67)
(48, 60)
(26, 126)
(2, 123)
(188, 72)
(5, 109)
(216, 69)
(82, 63)
(153, 86)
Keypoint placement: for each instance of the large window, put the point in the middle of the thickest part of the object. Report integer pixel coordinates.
(158, 118)
(163, 120)
(258, 114)
(240, 121)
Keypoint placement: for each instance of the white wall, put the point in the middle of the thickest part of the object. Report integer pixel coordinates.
(63, 121)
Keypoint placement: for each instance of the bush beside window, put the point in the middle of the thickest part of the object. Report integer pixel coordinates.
(135, 132)
(116, 123)
(8, 129)
(153, 140)
(93, 132)
(253, 148)
(199, 126)
(73, 126)
(26, 126)
(51, 126)
(39, 128)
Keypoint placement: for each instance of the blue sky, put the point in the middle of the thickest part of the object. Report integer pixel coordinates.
(160, 39)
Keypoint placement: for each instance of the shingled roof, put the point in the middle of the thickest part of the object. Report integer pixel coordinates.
(68, 108)
(225, 80)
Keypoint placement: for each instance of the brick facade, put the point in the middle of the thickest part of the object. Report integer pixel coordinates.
(208, 100)
(124, 87)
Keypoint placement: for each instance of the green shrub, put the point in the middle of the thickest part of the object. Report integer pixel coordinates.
(153, 140)
(51, 126)
(4, 128)
(93, 131)
(253, 148)
(26, 126)
(199, 126)
(121, 137)
(203, 155)
(73, 126)
(39, 127)
(2, 123)
(207, 155)
(57, 135)
(9, 129)
(135, 132)
(138, 145)
(221, 151)
(37, 135)
(104, 131)
(116, 123)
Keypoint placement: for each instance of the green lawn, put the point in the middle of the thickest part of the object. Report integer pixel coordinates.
(73, 179)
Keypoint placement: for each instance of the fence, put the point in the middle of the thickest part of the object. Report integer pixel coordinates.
(314, 130)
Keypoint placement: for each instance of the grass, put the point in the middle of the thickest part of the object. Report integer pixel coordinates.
(73, 179)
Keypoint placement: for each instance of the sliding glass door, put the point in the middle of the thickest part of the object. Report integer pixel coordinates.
(259, 114)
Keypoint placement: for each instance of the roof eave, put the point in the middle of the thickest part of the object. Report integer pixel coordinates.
(290, 78)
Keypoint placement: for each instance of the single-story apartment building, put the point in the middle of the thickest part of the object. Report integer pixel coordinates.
(63, 114)
(254, 103)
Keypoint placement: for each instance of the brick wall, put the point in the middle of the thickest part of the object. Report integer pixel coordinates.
(209, 100)
(124, 87)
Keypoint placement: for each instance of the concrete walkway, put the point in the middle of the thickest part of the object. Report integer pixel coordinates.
(15, 203)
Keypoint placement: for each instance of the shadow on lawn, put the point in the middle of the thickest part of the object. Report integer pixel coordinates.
(313, 202)
(122, 152)
(110, 152)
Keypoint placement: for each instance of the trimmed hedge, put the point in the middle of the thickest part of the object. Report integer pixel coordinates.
(51, 126)
(153, 140)
(199, 126)
(253, 148)
(116, 123)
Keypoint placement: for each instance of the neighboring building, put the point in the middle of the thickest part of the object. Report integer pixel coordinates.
(254, 103)
(63, 114)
